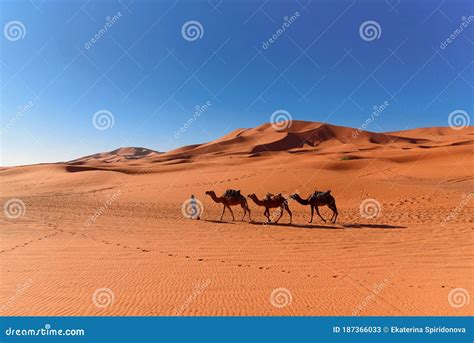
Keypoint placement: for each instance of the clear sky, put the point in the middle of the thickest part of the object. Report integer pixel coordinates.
(150, 74)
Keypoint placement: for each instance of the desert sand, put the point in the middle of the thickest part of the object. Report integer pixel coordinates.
(105, 234)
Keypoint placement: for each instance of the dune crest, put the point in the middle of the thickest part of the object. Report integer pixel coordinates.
(299, 138)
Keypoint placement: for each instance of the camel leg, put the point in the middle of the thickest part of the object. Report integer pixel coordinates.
(281, 213)
(223, 210)
(245, 211)
(312, 212)
(248, 209)
(267, 214)
(335, 213)
(287, 208)
(317, 211)
(233, 219)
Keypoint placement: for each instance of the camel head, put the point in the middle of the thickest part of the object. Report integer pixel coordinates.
(210, 193)
(251, 196)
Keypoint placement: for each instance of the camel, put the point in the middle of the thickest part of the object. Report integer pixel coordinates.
(316, 200)
(272, 201)
(231, 198)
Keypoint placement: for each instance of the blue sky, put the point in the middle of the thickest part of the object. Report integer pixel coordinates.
(150, 78)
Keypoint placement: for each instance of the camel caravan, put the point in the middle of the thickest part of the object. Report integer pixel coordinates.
(232, 197)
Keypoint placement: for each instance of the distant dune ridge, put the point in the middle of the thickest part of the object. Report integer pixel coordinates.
(117, 155)
(300, 137)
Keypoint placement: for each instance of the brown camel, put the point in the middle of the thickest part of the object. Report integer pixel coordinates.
(316, 200)
(272, 201)
(230, 198)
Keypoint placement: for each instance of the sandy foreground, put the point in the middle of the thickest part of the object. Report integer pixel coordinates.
(95, 240)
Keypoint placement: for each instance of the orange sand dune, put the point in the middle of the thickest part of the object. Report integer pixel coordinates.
(105, 234)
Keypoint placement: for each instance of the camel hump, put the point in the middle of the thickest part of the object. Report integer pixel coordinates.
(232, 193)
(269, 195)
(319, 194)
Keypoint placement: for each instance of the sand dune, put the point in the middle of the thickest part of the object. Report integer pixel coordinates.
(113, 223)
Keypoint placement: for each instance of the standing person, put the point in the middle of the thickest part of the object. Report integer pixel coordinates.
(194, 208)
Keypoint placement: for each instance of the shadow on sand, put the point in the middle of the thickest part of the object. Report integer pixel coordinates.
(372, 226)
(314, 226)
(301, 226)
(217, 221)
(334, 226)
